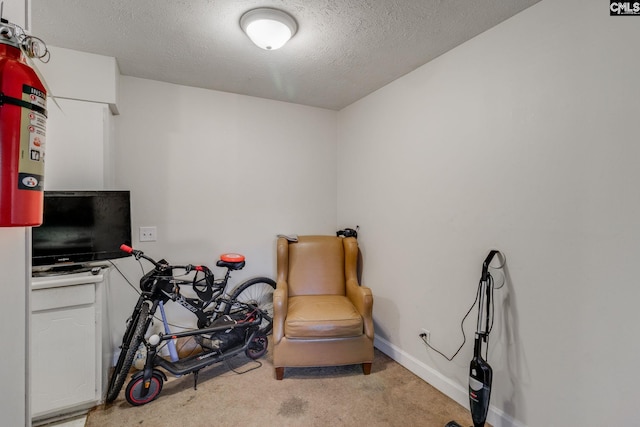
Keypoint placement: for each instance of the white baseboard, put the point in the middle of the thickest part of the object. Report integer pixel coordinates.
(456, 392)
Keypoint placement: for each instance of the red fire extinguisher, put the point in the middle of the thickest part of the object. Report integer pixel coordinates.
(23, 118)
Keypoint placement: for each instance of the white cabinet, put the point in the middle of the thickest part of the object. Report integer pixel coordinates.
(78, 146)
(80, 127)
(66, 343)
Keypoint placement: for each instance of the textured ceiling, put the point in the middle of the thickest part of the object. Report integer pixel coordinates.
(344, 49)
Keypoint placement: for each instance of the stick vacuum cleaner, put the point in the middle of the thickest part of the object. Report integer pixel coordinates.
(480, 373)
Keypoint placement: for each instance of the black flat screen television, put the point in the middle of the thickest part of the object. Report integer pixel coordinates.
(81, 227)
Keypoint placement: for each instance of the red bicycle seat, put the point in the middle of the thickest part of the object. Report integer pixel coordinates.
(232, 257)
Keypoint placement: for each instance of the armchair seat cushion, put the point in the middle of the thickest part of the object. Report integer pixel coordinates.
(322, 316)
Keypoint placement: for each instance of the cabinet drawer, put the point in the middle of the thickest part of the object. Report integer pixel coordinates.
(65, 296)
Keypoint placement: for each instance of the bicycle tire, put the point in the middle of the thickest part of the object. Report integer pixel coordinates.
(132, 393)
(130, 342)
(258, 291)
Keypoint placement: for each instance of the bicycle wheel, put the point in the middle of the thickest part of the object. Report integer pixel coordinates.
(130, 343)
(257, 291)
(133, 393)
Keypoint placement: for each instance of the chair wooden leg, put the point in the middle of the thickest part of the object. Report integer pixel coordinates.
(366, 368)
(279, 373)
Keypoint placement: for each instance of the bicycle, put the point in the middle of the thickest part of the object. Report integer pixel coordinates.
(248, 311)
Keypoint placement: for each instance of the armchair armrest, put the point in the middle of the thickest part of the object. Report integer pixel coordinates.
(280, 306)
(281, 294)
(362, 299)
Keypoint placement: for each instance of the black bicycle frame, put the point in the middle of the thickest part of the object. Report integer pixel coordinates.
(159, 292)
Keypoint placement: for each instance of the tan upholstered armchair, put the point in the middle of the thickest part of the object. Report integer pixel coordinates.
(322, 316)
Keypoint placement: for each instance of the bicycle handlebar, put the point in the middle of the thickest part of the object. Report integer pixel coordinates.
(126, 248)
(139, 254)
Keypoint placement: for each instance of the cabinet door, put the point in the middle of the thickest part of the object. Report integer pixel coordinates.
(75, 145)
(63, 358)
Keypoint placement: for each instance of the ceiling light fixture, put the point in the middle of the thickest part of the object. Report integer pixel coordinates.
(268, 28)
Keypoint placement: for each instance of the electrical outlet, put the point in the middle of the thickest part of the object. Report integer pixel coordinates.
(427, 335)
(148, 234)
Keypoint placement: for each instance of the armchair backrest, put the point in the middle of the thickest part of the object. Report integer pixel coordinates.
(315, 265)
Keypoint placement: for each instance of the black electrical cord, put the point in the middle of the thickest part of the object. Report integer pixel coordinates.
(491, 288)
(464, 336)
(231, 368)
(490, 283)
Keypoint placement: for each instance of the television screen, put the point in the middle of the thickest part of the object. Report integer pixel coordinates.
(82, 226)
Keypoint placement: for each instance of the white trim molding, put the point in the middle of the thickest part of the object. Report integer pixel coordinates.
(496, 417)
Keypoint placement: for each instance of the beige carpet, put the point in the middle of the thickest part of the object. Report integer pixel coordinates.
(335, 396)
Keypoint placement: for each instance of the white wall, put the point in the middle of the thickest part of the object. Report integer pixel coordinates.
(217, 172)
(523, 139)
(14, 263)
(14, 326)
(18, 12)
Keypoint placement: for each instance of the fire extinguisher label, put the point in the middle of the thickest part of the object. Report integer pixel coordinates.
(32, 140)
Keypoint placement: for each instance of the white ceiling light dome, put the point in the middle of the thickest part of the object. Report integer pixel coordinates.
(268, 28)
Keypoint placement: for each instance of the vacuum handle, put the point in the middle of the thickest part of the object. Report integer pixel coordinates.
(485, 264)
(485, 297)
